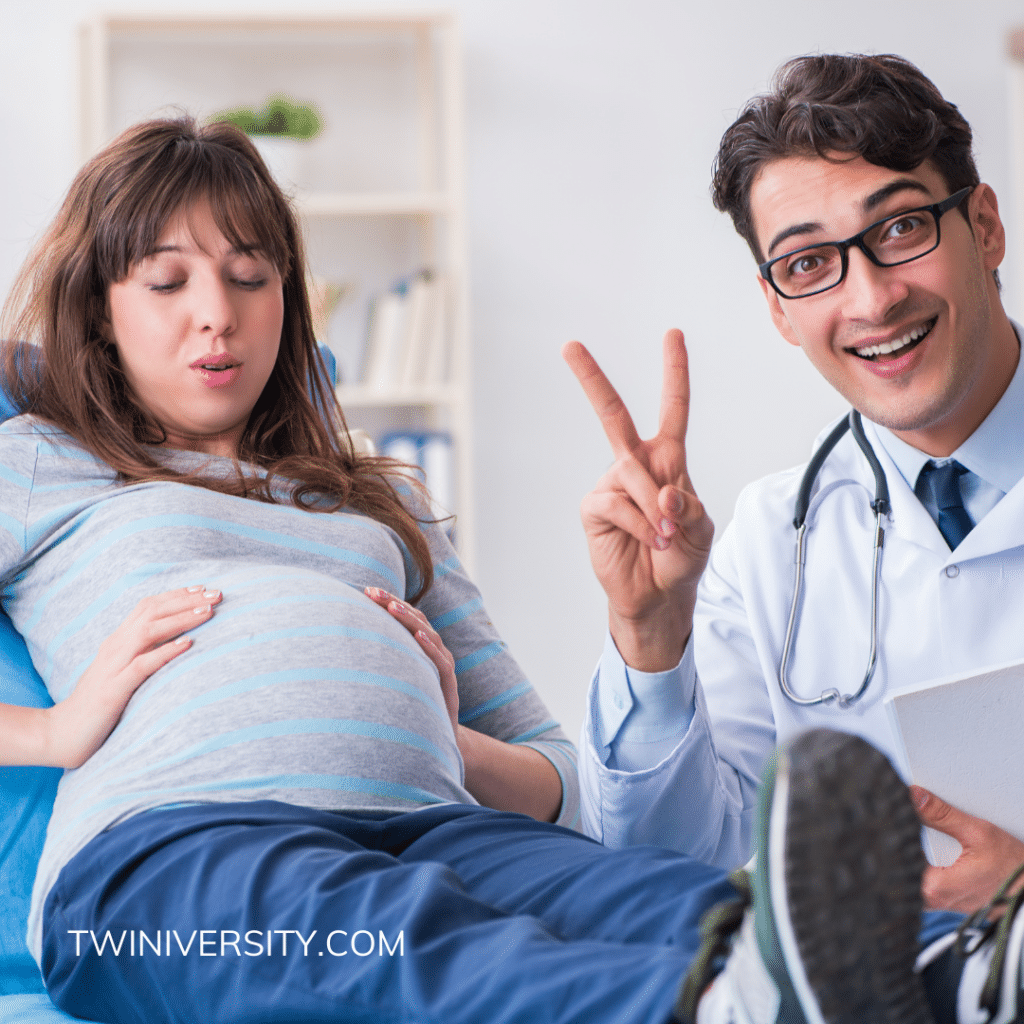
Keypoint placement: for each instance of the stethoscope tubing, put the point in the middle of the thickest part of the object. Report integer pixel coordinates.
(880, 506)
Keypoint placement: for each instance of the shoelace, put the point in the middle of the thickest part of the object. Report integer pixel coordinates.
(982, 929)
(717, 927)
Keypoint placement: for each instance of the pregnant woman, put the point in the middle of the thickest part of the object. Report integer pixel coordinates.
(311, 810)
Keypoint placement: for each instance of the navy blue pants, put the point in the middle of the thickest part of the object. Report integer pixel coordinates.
(267, 912)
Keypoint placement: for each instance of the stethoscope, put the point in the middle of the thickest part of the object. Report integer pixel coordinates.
(880, 506)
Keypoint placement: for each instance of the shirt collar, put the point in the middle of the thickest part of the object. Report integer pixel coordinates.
(995, 451)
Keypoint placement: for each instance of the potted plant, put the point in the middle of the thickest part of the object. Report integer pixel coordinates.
(279, 131)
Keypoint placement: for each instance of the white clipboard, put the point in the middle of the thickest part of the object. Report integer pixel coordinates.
(962, 738)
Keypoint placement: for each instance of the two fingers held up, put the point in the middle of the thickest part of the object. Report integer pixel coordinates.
(151, 636)
(648, 532)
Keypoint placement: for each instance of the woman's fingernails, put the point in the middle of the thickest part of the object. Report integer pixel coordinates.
(195, 590)
(423, 638)
(668, 527)
(202, 610)
(211, 594)
(919, 796)
(182, 640)
(661, 542)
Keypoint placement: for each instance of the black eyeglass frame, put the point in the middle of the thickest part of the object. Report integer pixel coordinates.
(936, 210)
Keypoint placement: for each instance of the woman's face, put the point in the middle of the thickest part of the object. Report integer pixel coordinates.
(197, 325)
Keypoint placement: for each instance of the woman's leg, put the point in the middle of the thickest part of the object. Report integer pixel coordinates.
(265, 912)
(578, 888)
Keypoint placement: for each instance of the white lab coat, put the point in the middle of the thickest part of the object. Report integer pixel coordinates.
(940, 612)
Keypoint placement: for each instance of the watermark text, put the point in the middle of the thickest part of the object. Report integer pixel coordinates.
(225, 942)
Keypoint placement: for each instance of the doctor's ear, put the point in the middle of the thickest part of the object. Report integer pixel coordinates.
(778, 314)
(989, 232)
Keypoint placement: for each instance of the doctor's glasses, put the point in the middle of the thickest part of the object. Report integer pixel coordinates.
(890, 242)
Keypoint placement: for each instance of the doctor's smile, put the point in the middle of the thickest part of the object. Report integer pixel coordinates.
(888, 360)
(897, 347)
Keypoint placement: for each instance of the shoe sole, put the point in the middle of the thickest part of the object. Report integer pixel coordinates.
(844, 868)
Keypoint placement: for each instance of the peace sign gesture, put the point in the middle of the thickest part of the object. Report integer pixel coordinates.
(648, 533)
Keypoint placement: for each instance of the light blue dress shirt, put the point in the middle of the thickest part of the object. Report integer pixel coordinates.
(640, 717)
(993, 454)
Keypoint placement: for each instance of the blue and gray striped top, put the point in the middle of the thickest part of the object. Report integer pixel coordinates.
(299, 688)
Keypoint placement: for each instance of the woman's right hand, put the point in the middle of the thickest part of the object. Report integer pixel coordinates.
(143, 643)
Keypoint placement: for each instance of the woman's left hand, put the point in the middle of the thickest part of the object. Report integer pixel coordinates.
(505, 776)
(430, 642)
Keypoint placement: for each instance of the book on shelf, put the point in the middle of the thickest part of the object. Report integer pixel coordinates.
(431, 451)
(406, 341)
(960, 739)
(387, 325)
(433, 368)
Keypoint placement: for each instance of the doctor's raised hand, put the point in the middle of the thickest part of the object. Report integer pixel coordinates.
(648, 533)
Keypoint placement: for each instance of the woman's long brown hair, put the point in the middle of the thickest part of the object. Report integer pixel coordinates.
(113, 215)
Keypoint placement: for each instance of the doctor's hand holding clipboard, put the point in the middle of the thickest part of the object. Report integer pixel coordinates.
(989, 856)
(648, 533)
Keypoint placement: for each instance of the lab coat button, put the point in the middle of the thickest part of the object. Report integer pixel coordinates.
(952, 571)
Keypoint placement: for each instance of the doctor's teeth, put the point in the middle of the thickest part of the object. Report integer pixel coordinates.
(893, 346)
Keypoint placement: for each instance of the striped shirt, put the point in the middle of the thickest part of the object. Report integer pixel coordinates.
(299, 689)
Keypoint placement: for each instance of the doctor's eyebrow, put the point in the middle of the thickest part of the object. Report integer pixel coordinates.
(870, 203)
(899, 185)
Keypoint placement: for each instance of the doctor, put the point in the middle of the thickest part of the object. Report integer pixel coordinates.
(853, 183)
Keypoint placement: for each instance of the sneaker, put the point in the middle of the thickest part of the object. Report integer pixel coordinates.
(825, 929)
(974, 976)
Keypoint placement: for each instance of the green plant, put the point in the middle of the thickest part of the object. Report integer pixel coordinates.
(280, 117)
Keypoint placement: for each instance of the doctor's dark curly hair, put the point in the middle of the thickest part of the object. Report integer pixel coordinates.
(880, 107)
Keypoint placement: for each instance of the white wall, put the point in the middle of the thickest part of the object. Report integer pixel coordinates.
(591, 126)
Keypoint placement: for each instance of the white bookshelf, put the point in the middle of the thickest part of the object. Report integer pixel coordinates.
(381, 193)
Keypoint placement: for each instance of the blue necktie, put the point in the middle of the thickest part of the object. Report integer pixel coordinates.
(943, 483)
